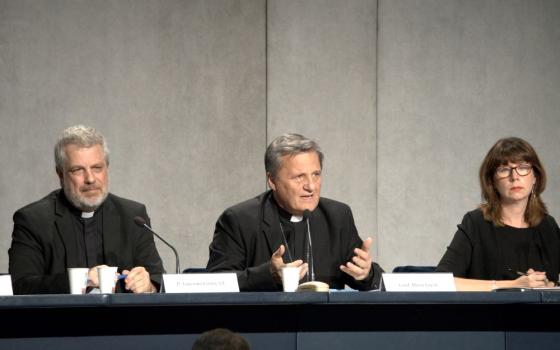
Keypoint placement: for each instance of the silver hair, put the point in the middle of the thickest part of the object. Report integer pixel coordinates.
(81, 136)
(288, 144)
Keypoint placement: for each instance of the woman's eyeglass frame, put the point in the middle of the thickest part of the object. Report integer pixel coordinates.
(521, 170)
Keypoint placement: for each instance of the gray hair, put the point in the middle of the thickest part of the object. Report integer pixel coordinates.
(81, 136)
(288, 144)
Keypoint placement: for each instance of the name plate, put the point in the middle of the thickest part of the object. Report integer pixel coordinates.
(6, 285)
(418, 282)
(200, 283)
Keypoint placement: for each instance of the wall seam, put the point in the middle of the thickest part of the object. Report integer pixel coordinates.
(266, 79)
(376, 111)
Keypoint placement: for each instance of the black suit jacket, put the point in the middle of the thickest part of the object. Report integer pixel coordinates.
(44, 243)
(247, 234)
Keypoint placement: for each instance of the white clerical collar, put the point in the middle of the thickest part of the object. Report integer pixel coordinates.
(296, 218)
(88, 214)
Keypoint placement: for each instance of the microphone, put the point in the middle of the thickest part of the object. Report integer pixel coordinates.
(142, 223)
(309, 247)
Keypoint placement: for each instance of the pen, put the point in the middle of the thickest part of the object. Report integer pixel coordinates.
(121, 277)
(517, 272)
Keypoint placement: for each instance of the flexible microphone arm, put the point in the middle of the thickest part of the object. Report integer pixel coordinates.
(142, 223)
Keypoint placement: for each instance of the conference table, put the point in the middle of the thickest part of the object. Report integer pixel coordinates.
(276, 320)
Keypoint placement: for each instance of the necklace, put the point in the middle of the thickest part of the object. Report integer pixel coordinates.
(285, 241)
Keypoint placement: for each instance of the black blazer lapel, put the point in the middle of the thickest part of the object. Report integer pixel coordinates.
(66, 231)
(271, 224)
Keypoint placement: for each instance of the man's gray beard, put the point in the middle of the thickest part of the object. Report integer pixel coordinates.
(83, 205)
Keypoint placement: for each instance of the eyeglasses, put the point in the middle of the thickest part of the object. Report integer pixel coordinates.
(521, 170)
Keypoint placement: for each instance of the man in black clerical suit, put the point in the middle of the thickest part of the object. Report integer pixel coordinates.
(292, 225)
(82, 225)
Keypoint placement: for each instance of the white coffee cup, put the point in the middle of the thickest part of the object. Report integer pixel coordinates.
(78, 277)
(107, 276)
(290, 278)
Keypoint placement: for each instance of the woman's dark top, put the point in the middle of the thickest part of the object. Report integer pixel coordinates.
(481, 250)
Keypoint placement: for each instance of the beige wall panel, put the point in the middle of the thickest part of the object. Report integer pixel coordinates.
(455, 76)
(178, 87)
(321, 83)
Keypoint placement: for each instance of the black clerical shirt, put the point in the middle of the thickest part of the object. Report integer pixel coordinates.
(90, 237)
(296, 237)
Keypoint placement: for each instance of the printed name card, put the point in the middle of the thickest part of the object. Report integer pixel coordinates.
(418, 282)
(200, 283)
(6, 285)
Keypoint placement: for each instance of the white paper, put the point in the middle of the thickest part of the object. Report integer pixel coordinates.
(6, 285)
(418, 282)
(200, 283)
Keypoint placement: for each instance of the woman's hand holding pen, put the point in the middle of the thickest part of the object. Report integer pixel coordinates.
(533, 279)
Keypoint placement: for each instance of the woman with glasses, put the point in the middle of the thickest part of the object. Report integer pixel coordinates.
(510, 241)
